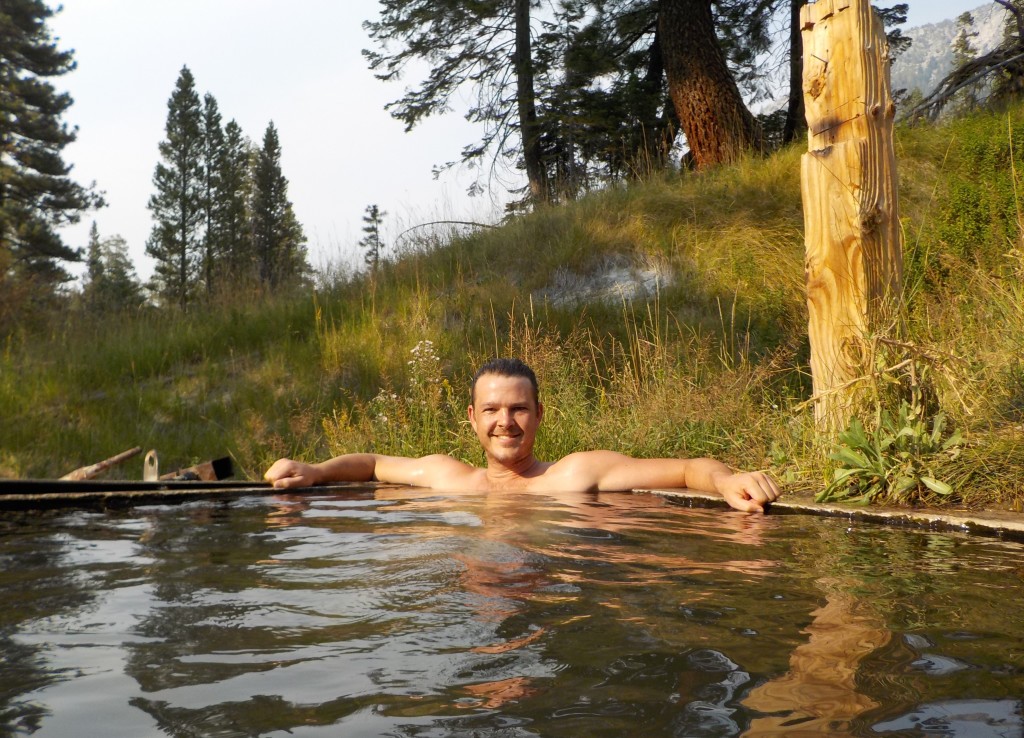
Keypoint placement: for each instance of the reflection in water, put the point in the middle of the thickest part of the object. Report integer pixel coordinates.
(410, 613)
(975, 718)
(48, 576)
(819, 695)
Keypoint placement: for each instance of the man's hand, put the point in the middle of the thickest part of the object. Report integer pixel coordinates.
(286, 473)
(748, 491)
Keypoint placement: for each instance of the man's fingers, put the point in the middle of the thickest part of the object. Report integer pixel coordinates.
(763, 488)
(773, 488)
(741, 499)
(752, 505)
(753, 491)
(280, 468)
(286, 473)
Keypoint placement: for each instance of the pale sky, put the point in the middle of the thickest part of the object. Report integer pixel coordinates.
(296, 63)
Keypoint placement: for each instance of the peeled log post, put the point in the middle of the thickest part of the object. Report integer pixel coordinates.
(854, 257)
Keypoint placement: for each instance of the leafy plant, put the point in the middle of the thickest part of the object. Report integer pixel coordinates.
(894, 463)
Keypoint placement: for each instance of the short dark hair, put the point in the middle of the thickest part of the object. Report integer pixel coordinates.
(506, 368)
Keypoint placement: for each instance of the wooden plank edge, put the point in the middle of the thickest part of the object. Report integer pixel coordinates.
(162, 492)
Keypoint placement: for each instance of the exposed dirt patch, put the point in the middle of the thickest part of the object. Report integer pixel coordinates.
(615, 279)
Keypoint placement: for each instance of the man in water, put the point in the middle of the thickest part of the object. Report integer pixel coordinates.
(505, 412)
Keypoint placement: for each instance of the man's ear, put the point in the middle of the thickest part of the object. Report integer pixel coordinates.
(540, 411)
(471, 416)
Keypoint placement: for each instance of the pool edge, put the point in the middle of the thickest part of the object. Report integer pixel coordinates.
(1003, 525)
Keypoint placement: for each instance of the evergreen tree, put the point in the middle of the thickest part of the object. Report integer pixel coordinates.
(93, 257)
(796, 119)
(278, 241)
(892, 17)
(468, 44)
(93, 267)
(963, 49)
(709, 53)
(585, 89)
(588, 92)
(717, 124)
(36, 194)
(111, 284)
(372, 219)
(213, 247)
(122, 289)
(1009, 82)
(1003, 68)
(177, 205)
(964, 52)
(233, 185)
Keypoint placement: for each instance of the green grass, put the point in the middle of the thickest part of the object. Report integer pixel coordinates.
(714, 364)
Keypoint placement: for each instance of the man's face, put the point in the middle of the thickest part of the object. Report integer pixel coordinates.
(505, 417)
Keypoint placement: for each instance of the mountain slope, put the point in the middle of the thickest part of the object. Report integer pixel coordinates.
(930, 56)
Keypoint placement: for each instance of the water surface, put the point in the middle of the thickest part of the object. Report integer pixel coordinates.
(363, 614)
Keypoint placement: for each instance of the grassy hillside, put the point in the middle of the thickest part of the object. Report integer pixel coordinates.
(711, 362)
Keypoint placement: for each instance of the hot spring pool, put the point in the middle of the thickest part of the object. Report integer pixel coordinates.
(517, 615)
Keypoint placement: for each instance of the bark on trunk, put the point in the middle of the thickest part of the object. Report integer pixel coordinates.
(796, 123)
(659, 129)
(717, 124)
(528, 126)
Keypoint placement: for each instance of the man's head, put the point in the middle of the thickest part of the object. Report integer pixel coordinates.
(505, 412)
(505, 368)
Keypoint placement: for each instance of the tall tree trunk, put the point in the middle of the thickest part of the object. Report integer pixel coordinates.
(659, 130)
(526, 99)
(795, 120)
(717, 124)
(183, 258)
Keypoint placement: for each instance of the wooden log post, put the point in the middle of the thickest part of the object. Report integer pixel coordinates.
(853, 249)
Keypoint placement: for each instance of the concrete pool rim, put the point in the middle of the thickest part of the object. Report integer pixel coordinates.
(1001, 524)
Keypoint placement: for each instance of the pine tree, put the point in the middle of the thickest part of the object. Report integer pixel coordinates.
(484, 44)
(1009, 82)
(372, 242)
(233, 186)
(716, 121)
(177, 205)
(964, 52)
(122, 289)
(278, 241)
(111, 284)
(93, 267)
(36, 194)
(213, 247)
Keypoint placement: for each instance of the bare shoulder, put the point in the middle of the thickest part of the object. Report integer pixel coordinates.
(582, 470)
(582, 459)
(610, 471)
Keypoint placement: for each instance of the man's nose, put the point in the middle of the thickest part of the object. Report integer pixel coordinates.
(504, 417)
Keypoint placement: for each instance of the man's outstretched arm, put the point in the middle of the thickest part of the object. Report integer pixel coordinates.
(614, 472)
(285, 473)
(422, 472)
